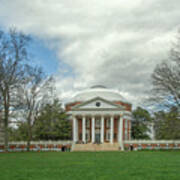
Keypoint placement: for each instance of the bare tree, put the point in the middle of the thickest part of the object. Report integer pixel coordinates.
(1, 128)
(13, 53)
(166, 79)
(33, 94)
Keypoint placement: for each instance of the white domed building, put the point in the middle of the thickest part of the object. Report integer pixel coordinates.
(100, 116)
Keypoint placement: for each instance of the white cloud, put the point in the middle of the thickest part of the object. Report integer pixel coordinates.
(116, 43)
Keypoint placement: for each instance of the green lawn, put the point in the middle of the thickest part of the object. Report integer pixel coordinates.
(91, 166)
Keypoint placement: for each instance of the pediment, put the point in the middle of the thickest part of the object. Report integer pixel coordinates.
(97, 103)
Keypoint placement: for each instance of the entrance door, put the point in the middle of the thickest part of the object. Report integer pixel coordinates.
(97, 138)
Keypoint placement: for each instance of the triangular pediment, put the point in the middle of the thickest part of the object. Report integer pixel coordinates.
(97, 103)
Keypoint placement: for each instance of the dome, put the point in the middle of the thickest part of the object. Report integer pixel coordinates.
(98, 91)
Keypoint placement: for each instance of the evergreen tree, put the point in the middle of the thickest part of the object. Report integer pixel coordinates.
(140, 123)
(20, 133)
(167, 124)
(52, 124)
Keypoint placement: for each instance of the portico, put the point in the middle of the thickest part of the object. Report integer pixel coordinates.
(97, 128)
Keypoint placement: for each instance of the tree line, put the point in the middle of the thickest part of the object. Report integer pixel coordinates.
(51, 124)
(164, 124)
(164, 97)
(26, 91)
(28, 98)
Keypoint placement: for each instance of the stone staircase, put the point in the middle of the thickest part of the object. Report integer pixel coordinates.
(96, 147)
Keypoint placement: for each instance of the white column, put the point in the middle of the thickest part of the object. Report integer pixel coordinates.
(77, 130)
(84, 129)
(112, 130)
(74, 129)
(93, 130)
(121, 129)
(121, 133)
(102, 129)
(129, 123)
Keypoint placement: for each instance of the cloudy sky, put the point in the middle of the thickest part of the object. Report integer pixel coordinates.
(114, 43)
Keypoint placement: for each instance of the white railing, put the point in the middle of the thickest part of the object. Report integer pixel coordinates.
(62, 142)
(60, 145)
(152, 142)
(21, 146)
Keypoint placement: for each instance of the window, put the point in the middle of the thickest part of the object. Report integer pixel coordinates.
(115, 136)
(126, 130)
(87, 135)
(87, 123)
(126, 134)
(108, 135)
(97, 123)
(98, 104)
(126, 124)
(108, 122)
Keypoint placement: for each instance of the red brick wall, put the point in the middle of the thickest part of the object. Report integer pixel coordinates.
(80, 128)
(116, 128)
(90, 130)
(105, 129)
(126, 105)
(70, 105)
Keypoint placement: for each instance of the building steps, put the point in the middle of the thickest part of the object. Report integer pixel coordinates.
(96, 147)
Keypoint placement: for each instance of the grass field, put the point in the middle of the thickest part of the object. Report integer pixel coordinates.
(90, 166)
